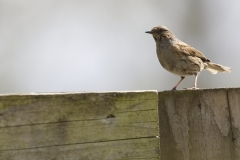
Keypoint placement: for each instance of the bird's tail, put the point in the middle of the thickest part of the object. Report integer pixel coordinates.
(214, 68)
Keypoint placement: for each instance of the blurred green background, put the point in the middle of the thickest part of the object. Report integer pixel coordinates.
(100, 45)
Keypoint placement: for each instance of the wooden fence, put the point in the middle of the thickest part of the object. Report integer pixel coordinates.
(191, 124)
(79, 126)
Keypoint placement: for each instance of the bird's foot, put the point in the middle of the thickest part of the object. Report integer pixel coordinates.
(193, 88)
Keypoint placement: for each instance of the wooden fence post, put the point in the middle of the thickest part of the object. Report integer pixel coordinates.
(200, 124)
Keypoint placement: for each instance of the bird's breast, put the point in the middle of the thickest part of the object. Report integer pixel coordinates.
(177, 63)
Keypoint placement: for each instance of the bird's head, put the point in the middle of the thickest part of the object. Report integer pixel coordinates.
(161, 33)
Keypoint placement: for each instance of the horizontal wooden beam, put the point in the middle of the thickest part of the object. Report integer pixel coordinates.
(113, 125)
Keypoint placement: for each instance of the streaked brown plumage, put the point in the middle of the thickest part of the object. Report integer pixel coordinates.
(179, 58)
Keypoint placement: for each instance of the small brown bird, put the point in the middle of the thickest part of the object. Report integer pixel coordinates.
(181, 59)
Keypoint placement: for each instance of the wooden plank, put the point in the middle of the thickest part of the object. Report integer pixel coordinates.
(26, 109)
(124, 125)
(195, 125)
(31, 124)
(130, 149)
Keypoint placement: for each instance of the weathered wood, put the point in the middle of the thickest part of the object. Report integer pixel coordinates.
(200, 124)
(234, 103)
(122, 149)
(194, 125)
(114, 125)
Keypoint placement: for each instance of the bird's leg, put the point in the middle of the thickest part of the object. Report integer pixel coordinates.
(175, 87)
(195, 83)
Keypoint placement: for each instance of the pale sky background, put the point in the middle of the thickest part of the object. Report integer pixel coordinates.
(100, 45)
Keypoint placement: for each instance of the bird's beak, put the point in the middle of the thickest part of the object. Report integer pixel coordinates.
(150, 32)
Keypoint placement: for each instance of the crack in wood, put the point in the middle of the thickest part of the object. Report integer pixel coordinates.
(126, 139)
(231, 125)
(200, 106)
(33, 124)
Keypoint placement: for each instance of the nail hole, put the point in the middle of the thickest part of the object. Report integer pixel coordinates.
(110, 116)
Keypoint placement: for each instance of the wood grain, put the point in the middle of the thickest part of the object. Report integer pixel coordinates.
(200, 124)
(193, 125)
(113, 125)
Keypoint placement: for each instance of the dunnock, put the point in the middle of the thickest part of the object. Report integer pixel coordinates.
(181, 59)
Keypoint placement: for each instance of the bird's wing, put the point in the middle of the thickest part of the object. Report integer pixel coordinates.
(190, 51)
